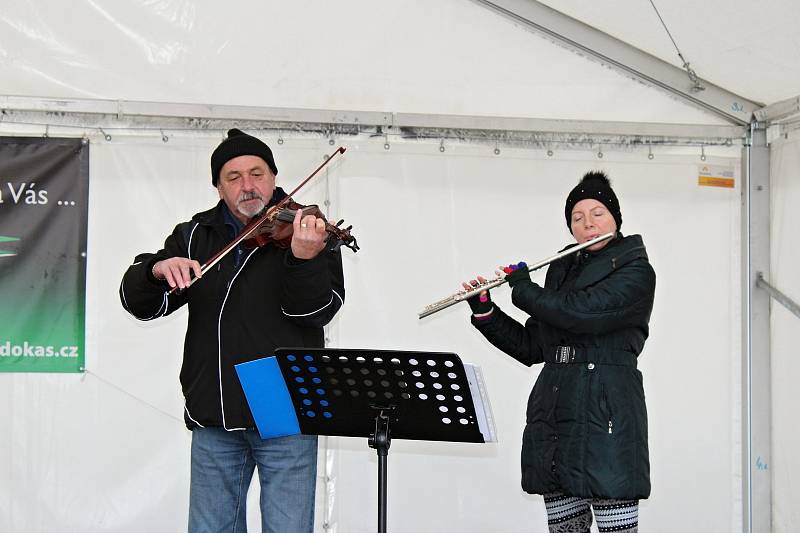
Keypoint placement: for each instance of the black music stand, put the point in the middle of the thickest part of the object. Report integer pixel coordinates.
(380, 394)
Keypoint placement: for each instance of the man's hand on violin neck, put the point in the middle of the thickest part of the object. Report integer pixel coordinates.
(177, 271)
(308, 236)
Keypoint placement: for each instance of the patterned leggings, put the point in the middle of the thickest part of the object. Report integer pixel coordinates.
(567, 514)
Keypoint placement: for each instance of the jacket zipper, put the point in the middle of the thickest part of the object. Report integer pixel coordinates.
(607, 408)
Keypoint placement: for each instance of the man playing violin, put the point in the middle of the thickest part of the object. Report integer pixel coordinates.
(249, 303)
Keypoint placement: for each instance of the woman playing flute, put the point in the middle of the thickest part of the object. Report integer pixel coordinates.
(584, 446)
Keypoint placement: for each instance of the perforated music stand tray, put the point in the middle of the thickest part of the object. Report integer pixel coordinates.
(380, 395)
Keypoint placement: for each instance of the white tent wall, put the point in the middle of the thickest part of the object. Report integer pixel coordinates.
(697, 279)
(785, 167)
(108, 451)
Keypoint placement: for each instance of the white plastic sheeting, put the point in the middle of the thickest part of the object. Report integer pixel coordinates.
(444, 57)
(108, 452)
(785, 168)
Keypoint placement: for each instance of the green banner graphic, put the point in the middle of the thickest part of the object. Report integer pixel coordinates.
(6, 253)
(44, 192)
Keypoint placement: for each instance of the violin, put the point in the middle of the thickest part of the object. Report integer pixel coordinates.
(274, 225)
(277, 227)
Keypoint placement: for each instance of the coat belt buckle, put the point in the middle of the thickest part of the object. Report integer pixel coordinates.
(565, 354)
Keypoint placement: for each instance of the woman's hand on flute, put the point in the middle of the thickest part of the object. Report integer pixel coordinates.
(481, 303)
(515, 273)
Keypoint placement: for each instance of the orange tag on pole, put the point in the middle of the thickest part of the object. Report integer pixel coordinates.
(715, 176)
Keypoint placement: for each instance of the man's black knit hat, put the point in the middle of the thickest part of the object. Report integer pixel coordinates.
(239, 143)
(593, 185)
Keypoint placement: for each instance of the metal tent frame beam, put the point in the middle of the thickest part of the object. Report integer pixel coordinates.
(756, 338)
(778, 296)
(779, 110)
(89, 113)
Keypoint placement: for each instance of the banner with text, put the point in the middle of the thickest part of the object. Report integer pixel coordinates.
(44, 193)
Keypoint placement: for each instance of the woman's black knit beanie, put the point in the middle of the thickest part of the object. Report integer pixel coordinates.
(595, 185)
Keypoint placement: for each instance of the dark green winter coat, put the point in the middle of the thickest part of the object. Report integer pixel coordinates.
(586, 430)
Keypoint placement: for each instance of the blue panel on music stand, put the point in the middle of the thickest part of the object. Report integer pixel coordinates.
(268, 398)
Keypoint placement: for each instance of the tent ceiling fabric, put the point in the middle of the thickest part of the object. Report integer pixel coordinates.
(628, 60)
(749, 48)
(459, 59)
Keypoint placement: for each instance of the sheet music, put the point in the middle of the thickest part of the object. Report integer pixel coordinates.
(480, 398)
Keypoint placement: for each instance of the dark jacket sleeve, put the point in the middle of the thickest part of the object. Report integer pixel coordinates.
(508, 335)
(144, 296)
(622, 299)
(313, 290)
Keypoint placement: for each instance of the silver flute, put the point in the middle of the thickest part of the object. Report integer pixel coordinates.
(492, 283)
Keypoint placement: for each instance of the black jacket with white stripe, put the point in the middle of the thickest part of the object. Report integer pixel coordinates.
(241, 309)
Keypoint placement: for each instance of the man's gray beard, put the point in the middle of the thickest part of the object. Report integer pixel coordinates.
(250, 213)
